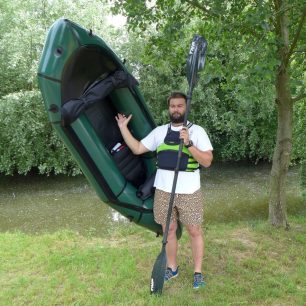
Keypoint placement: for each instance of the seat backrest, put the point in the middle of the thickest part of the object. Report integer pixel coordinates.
(102, 116)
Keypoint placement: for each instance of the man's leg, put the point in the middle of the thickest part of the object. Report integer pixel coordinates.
(171, 246)
(190, 210)
(161, 206)
(197, 245)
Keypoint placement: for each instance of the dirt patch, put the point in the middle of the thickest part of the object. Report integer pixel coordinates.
(246, 244)
(244, 236)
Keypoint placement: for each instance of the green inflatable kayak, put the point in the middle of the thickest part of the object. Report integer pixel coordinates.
(84, 85)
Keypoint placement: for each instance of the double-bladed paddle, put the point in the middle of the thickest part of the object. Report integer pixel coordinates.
(195, 62)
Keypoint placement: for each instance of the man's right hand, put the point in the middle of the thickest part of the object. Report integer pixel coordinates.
(122, 120)
(136, 146)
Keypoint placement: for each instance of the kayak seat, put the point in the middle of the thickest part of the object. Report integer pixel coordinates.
(130, 165)
(102, 117)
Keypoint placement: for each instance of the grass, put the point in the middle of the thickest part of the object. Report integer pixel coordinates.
(246, 263)
(60, 246)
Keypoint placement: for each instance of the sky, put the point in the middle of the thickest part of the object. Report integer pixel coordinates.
(116, 20)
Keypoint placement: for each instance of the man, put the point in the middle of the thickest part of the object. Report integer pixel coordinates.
(188, 201)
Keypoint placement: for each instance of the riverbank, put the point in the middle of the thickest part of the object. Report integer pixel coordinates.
(246, 263)
(59, 245)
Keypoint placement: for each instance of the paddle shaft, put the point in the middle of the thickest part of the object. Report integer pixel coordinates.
(176, 171)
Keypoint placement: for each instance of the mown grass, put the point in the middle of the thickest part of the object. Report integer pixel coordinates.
(246, 263)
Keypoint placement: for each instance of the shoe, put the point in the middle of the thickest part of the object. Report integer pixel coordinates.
(198, 281)
(170, 274)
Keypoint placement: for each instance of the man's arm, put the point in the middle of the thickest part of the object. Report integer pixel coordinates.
(204, 158)
(136, 146)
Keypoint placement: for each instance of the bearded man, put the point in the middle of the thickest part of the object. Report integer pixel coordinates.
(188, 200)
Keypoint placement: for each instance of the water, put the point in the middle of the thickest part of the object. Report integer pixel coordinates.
(39, 204)
(239, 191)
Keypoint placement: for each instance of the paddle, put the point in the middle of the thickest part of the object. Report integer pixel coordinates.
(195, 62)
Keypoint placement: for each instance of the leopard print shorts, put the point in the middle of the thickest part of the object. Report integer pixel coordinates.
(187, 208)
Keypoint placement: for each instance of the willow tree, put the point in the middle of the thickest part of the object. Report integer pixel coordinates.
(262, 39)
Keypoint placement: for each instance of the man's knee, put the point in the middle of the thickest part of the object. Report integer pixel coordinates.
(194, 230)
(172, 229)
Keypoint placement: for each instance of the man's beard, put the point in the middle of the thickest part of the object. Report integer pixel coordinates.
(176, 118)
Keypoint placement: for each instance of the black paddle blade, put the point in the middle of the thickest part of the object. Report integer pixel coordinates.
(196, 59)
(158, 273)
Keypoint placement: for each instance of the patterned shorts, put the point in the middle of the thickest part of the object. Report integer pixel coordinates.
(188, 208)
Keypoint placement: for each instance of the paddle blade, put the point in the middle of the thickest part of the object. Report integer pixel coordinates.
(158, 273)
(196, 59)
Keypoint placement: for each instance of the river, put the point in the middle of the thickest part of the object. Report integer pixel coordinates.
(44, 204)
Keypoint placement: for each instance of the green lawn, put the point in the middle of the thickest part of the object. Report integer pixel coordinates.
(246, 263)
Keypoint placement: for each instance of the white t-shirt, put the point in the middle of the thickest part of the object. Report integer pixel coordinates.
(187, 182)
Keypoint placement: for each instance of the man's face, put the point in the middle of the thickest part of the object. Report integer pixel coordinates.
(177, 109)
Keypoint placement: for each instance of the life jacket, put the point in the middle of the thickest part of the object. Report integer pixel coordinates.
(167, 153)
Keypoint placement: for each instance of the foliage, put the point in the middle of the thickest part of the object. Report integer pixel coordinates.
(303, 174)
(28, 139)
(299, 139)
(23, 28)
(235, 98)
(303, 177)
(240, 122)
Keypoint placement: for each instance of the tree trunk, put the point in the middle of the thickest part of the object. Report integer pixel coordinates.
(281, 156)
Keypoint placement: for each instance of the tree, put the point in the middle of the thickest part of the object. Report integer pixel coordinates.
(284, 101)
(272, 36)
(23, 29)
(27, 139)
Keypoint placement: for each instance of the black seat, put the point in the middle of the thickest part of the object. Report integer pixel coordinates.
(102, 116)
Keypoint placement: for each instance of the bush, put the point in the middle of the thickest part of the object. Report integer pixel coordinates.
(303, 177)
(299, 139)
(28, 141)
(240, 127)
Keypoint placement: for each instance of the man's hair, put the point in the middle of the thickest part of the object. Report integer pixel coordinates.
(176, 94)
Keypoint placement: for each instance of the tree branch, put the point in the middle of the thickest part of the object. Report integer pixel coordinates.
(246, 28)
(196, 4)
(296, 38)
(300, 51)
(298, 98)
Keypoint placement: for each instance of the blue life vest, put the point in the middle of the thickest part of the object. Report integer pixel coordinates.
(167, 153)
